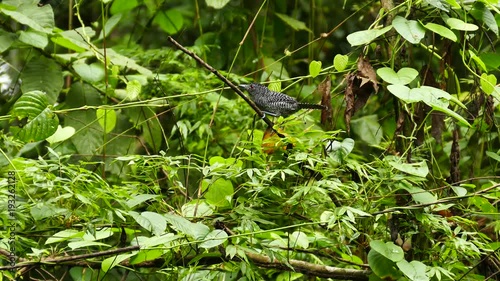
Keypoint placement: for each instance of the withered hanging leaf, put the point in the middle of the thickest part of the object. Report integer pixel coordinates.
(454, 159)
(365, 70)
(324, 89)
(349, 100)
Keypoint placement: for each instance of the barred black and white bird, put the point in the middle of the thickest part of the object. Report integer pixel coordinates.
(274, 103)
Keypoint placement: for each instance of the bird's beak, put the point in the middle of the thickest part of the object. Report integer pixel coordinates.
(243, 86)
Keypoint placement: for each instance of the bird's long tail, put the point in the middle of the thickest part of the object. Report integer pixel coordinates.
(311, 106)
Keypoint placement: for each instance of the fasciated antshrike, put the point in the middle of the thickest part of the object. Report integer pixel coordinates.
(274, 103)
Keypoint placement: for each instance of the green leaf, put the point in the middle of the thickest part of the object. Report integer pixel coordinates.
(483, 14)
(107, 119)
(74, 39)
(91, 73)
(368, 129)
(459, 24)
(383, 267)
(436, 98)
(6, 40)
(274, 70)
(39, 18)
(275, 86)
(197, 208)
(134, 89)
(388, 250)
(220, 193)
(299, 239)
(64, 235)
(170, 21)
(441, 30)
(488, 83)
(438, 4)
(88, 137)
(340, 62)
(420, 195)
(110, 25)
(146, 255)
(113, 261)
(214, 239)
(418, 169)
(217, 4)
(61, 134)
(414, 270)
(196, 230)
(34, 38)
(410, 30)
(404, 76)
(41, 122)
(43, 74)
(314, 68)
(293, 23)
(120, 6)
(366, 36)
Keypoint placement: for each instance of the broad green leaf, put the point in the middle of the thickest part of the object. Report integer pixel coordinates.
(158, 222)
(134, 89)
(492, 60)
(441, 30)
(340, 62)
(34, 38)
(110, 24)
(388, 250)
(85, 244)
(366, 36)
(146, 255)
(368, 129)
(340, 150)
(483, 204)
(314, 68)
(414, 270)
(274, 70)
(196, 230)
(120, 6)
(488, 83)
(383, 267)
(459, 24)
(478, 60)
(483, 14)
(138, 199)
(275, 86)
(197, 208)
(89, 135)
(459, 191)
(299, 239)
(418, 169)
(214, 239)
(220, 193)
(74, 39)
(64, 235)
(438, 4)
(106, 118)
(6, 40)
(293, 23)
(421, 196)
(39, 18)
(41, 122)
(61, 134)
(171, 21)
(404, 76)
(43, 74)
(113, 261)
(410, 30)
(91, 73)
(217, 4)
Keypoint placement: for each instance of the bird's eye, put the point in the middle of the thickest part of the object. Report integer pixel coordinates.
(251, 86)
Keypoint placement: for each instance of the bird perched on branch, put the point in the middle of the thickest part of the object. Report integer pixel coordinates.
(274, 103)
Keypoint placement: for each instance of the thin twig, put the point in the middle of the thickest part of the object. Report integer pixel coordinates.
(226, 81)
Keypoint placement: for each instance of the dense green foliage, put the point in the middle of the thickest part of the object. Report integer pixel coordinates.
(122, 158)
